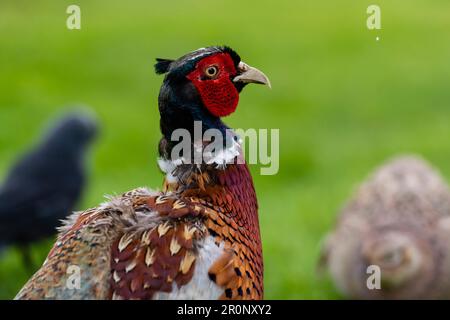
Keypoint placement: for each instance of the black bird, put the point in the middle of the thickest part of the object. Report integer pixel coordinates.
(45, 184)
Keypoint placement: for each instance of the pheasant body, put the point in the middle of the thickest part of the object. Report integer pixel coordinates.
(198, 238)
(175, 244)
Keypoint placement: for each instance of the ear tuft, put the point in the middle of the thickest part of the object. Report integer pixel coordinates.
(236, 58)
(162, 65)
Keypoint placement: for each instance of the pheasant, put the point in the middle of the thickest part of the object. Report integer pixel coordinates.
(45, 184)
(197, 238)
(399, 224)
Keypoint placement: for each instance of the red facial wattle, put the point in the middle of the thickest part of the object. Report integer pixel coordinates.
(218, 94)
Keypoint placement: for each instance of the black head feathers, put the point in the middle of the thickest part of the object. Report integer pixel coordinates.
(234, 55)
(162, 65)
(188, 61)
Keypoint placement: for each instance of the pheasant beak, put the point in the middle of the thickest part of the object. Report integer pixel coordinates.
(248, 74)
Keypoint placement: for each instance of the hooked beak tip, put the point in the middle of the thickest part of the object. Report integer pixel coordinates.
(250, 74)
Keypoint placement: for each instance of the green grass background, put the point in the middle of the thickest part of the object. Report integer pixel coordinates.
(343, 101)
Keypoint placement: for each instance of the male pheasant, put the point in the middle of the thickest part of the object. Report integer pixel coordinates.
(399, 224)
(199, 237)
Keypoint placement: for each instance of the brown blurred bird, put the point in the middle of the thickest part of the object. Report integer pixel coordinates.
(399, 222)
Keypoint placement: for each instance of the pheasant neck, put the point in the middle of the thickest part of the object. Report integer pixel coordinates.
(231, 192)
(226, 188)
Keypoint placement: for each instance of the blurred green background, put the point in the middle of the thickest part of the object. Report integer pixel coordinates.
(343, 101)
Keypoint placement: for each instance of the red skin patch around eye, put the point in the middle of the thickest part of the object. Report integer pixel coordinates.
(219, 95)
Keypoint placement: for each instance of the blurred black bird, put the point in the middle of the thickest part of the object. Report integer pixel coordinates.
(45, 184)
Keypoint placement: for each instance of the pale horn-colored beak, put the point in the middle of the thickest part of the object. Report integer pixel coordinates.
(249, 74)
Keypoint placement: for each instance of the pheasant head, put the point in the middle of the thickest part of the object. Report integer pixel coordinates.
(203, 85)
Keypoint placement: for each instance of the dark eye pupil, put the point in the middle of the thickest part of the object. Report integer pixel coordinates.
(211, 71)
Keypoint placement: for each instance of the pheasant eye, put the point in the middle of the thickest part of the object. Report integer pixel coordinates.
(211, 71)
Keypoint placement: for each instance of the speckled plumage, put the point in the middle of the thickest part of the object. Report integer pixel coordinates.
(399, 220)
(144, 243)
